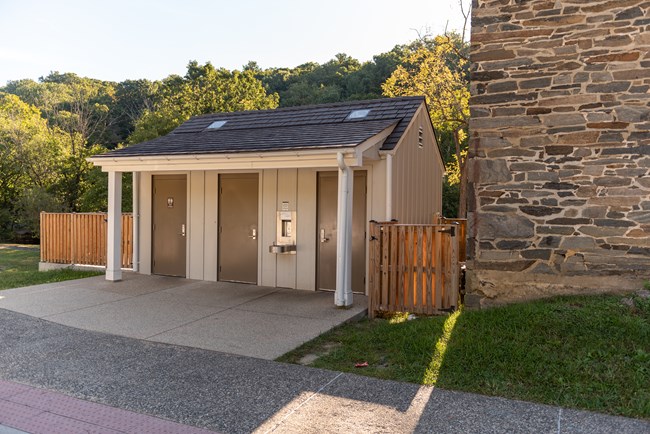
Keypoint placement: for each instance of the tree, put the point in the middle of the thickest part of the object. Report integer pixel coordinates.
(342, 78)
(30, 155)
(204, 89)
(438, 69)
(132, 98)
(79, 106)
(77, 110)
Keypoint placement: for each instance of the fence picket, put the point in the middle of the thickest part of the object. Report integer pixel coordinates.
(392, 268)
(418, 279)
(439, 248)
(384, 266)
(408, 269)
(428, 251)
(400, 269)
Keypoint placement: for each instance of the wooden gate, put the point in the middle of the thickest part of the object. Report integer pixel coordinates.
(461, 234)
(80, 238)
(413, 268)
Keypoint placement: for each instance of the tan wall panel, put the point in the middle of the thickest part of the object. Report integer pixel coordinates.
(195, 229)
(210, 229)
(267, 227)
(417, 174)
(306, 234)
(377, 191)
(145, 223)
(287, 192)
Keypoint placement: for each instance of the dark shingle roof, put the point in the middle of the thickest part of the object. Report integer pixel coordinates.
(303, 127)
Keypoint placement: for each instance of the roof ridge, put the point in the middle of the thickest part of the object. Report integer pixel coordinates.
(313, 106)
(254, 127)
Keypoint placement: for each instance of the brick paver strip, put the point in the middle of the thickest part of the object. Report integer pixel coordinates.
(37, 411)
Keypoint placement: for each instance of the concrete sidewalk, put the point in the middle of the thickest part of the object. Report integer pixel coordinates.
(236, 394)
(235, 318)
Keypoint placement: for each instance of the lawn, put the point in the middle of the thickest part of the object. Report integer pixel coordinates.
(585, 352)
(19, 267)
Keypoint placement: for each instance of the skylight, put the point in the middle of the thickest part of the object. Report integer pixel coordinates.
(358, 114)
(216, 125)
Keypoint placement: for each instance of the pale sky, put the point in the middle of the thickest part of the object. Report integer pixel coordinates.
(130, 39)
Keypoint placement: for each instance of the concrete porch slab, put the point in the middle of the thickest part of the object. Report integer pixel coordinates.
(254, 334)
(235, 318)
(57, 300)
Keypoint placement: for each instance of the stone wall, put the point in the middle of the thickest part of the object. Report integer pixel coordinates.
(560, 148)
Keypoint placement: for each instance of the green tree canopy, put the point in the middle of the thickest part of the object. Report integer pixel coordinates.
(203, 89)
(29, 150)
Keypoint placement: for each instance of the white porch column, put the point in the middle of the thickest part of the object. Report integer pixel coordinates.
(343, 293)
(114, 239)
(136, 221)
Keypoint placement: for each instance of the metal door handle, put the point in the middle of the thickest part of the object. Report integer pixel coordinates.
(183, 229)
(323, 238)
(254, 234)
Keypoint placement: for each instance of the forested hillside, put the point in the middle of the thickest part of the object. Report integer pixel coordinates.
(50, 126)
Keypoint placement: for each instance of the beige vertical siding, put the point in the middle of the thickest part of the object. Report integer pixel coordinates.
(377, 191)
(210, 227)
(297, 186)
(269, 194)
(144, 243)
(287, 192)
(195, 225)
(417, 174)
(306, 236)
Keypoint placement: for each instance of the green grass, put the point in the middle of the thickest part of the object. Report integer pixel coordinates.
(585, 352)
(20, 268)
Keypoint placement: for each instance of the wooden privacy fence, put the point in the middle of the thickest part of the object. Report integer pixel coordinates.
(72, 238)
(413, 268)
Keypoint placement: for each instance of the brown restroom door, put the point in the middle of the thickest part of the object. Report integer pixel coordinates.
(326, 224)
(238, 202)
(169, 228)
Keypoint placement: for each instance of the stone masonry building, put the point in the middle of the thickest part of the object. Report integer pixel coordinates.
(559, 176)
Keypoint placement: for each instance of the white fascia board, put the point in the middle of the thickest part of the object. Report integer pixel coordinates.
(375, 142)
(238, 161)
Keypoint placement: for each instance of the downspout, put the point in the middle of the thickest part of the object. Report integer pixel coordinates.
(389, 187)
(136, 220)
(343, 292)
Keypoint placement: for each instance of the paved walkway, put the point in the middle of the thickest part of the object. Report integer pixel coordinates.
(237, 394)
(235, 318)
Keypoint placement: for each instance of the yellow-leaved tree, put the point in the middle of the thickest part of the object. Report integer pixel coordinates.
(438, 69)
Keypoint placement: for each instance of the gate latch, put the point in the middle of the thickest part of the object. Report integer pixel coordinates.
(451, 230)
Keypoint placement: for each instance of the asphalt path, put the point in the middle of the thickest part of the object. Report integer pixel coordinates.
(237, 394)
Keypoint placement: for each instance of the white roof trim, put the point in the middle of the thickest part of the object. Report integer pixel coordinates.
(325, 157)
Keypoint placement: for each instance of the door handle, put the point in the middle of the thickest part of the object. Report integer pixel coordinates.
(183, 229)
(253, 235)
(323, 238)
